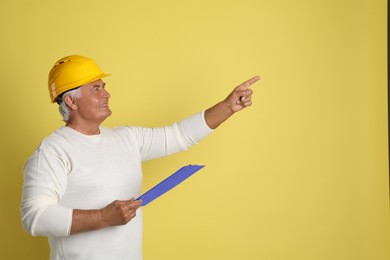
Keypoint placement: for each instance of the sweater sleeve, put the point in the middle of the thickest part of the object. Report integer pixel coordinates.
(45, 180)
(157, 142)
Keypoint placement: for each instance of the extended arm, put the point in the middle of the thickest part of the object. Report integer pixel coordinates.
(237, 100)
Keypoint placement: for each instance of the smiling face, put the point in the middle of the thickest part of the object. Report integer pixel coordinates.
(92, 105)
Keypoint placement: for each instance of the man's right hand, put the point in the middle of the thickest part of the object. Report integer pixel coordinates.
(120, 212)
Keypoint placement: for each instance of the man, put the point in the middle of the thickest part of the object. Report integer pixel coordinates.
(80, 185)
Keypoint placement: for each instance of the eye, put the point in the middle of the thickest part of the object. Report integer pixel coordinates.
(97, 88)
(94, 89)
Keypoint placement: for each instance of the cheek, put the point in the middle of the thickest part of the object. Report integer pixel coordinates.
(88, 106)
(92, 102)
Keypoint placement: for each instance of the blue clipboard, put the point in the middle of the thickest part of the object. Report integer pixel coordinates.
(169, 183)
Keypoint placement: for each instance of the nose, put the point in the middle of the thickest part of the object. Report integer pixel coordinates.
(106, 94)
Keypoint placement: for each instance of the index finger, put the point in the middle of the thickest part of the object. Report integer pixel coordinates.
(129, 204)
(249, 82)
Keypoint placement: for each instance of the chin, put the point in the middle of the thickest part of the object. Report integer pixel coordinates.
(108, 113)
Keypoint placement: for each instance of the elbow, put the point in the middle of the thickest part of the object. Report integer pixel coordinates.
(28, 217)
(46, 220)
(31, 212)
(27, 227)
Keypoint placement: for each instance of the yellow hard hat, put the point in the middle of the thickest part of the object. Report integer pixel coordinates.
(71, 72)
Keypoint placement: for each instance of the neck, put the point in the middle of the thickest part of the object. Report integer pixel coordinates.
(86, 128)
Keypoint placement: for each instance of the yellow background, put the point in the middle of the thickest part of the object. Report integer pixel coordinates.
(302, 174)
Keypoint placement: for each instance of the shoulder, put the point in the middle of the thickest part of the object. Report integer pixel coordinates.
(51, 150)
(58, 138)
(59, 142)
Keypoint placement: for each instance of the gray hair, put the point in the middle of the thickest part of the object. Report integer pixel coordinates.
(63, 107)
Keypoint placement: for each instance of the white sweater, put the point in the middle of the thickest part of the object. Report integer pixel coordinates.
(70, 170)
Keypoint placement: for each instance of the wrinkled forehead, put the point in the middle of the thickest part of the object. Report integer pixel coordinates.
(93, 84)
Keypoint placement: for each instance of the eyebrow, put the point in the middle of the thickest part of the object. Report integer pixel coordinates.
(97, 85)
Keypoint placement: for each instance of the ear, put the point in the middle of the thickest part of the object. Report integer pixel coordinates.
(70, 102)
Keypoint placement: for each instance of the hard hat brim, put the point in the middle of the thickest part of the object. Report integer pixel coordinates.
(77, 84)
